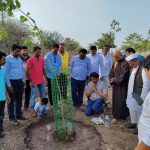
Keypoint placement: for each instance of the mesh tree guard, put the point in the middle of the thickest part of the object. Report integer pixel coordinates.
(62, 105)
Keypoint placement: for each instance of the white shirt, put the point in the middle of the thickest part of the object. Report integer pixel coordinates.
(41, 109)
(107, 64)
(96, 62)
(101, 87)
(144, 122)
(131, 102)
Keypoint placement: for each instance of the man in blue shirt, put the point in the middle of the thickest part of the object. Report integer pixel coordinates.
(80, 72)
(2, 92)
(15, 77)
(53, 65)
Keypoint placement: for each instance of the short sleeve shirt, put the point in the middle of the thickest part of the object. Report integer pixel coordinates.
(36, 70)
(2, 84)
(101, 87)
(41, 109)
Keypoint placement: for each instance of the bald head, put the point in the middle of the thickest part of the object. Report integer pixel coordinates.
(118, 55)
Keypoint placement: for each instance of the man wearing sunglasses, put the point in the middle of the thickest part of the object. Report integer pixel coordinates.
(53, 68)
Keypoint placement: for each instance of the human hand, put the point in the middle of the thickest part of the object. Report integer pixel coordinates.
(137, 98)
(94, 88)
(113, 80)
(101, 78)
(8, 100)
(46, 81)
(24, 85)
(10, 90)
(31, 84)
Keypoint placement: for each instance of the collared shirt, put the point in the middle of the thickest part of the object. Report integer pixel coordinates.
(101, 87)
(141, 58)
(65, 62)
(14, 69)
(25, 65)
(96, 63)
(36, 66)
(2, 83)
(144, 122)
(53, 64)
(131, 102)
(107, 64)
(80, 68)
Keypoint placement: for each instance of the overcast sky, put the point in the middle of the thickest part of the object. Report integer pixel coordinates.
(85, 20)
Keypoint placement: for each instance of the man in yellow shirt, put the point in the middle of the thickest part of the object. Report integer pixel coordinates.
(64, 57)
(64, 70)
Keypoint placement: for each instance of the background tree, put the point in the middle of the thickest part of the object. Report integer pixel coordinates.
(71, 44)
(108, 38)
(13, 32)
(9, 6)
(50, 38)
(136, 41)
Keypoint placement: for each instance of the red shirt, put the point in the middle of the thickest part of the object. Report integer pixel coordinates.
(36, 69)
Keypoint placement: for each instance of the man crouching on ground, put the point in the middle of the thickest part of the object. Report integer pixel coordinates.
(97, 93)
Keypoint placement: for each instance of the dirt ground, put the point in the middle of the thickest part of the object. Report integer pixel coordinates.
(33, 134)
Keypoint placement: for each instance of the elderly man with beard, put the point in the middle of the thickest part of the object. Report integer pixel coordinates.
(119, 76)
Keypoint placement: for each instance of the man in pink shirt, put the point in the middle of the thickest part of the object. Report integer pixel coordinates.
(36, 75)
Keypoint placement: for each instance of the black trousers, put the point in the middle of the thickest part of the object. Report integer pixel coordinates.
(2, 108)
(62, 81)
(14, 107)
(27, 94)
(49, 91)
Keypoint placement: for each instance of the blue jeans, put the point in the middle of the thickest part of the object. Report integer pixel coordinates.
(34, 89)
(77, 87)
(94, 106)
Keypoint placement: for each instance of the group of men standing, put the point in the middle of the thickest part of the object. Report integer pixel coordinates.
(29, 74)
(126, 75)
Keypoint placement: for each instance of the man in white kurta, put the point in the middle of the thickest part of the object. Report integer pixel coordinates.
(144, 121)
(96, 60)
(107, 64)
(134, 107)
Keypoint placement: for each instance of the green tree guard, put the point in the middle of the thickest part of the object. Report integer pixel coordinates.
(62, 105)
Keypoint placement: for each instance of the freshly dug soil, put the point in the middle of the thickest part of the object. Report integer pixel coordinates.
(41, 136)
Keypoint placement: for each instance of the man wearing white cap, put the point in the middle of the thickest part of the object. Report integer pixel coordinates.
(138, 88)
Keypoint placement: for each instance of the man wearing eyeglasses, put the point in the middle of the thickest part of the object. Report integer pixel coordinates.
(53, 67)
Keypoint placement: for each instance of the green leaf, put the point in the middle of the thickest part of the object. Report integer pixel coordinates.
(1, 7)
(23, 19)
(18, 4)
(9, 12)
(35, 28)
(28, 14)
(28, 42)
(3, 34)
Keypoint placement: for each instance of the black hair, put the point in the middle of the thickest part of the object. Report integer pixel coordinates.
(2, 54)
(24, 47)
(55, 46)
(130, 49)
(35, 48)
(44, 100)
(15, 46)
(62, 44)
(93, 47)
(82, 50)
(146, 63)
(107, 46)
(94, 75)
